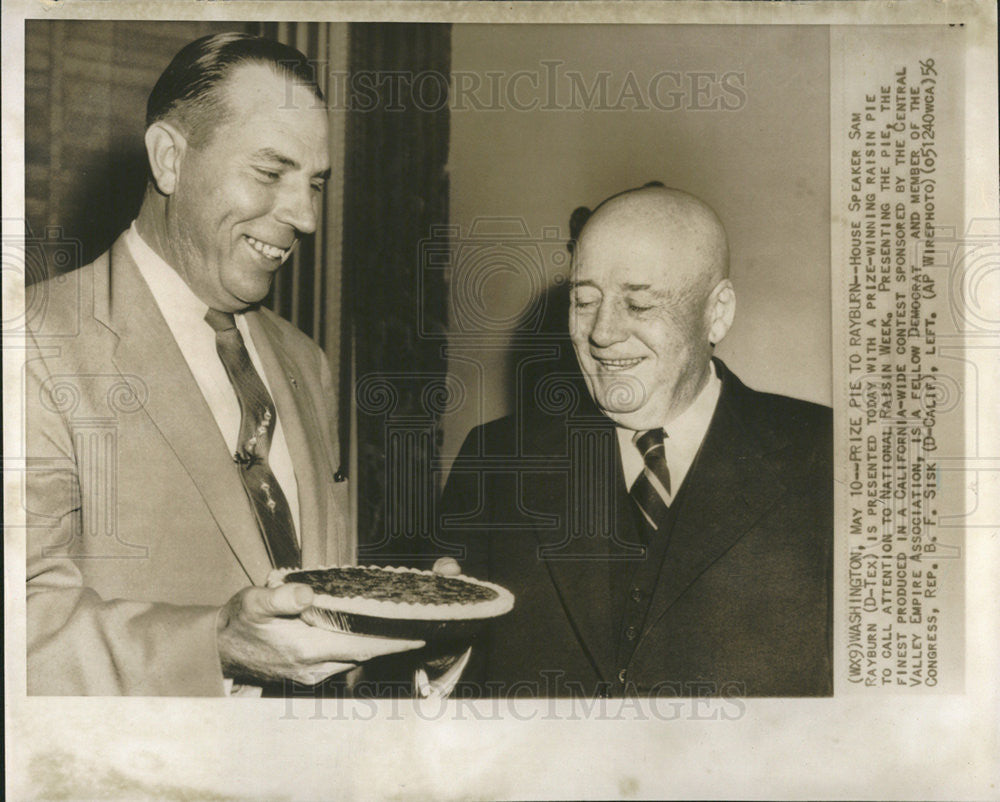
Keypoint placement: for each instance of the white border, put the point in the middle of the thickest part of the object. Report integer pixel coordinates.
(903, 748)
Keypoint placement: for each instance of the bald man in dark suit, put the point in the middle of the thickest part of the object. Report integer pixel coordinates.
(665, 529)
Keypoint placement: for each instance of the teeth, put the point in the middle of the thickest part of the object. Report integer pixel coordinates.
(619, 364)
(270, 251)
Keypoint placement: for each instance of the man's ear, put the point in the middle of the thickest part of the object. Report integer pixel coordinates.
(721, 310)
(165, 147)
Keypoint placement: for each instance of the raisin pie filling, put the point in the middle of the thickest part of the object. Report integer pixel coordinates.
(399, 593)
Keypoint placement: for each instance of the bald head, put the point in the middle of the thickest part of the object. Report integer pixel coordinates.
(685, 228)
(651, 298)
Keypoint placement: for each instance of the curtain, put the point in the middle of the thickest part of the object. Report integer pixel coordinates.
(309, 289)
(371, 298)
(395, 238)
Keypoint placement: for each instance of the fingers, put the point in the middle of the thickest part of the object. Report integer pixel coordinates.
(382, 646)
(260, 635)
(439, 665)
(285, 600)
(357, 648)
(447, 566)
(315, 674)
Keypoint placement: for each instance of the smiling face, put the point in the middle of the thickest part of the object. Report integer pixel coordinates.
(236, 205)
(649, 297)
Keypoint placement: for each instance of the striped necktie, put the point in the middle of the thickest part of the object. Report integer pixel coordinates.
(651, 491)
(257, 421)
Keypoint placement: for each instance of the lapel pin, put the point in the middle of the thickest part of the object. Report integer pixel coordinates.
(295, 384)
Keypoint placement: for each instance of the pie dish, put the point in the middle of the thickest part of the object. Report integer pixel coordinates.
(396, 602)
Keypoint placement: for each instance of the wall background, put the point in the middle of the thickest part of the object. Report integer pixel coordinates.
(86, 84)
(763, 167)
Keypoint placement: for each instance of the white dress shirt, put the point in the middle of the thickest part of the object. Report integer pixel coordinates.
(684, 436)
(185, 316)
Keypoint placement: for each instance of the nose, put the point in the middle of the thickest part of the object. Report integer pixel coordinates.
(608, 326)
(298, 207)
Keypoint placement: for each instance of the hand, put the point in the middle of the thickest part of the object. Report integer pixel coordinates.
(446, 566)
(261, 637)
(437, 663)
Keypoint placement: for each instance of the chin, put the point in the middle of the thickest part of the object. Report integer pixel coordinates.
(252, 292)
(639, 420)
(609, 407)
(622, 394)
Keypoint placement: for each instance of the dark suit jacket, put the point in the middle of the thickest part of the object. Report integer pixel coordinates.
(742, 603)
(139, 528)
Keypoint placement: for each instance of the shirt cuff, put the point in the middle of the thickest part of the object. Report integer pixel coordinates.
(440, 687)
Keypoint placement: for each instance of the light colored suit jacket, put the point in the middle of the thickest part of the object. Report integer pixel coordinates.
(139, 528)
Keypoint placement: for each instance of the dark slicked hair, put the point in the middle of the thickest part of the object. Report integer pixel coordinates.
(188, 91)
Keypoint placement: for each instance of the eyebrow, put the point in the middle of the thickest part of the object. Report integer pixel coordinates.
(627, 287)
(276, 156)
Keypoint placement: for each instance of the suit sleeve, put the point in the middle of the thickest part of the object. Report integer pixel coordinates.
(463, 497)
(77, 642)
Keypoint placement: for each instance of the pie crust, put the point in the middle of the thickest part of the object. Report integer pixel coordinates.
(383, 600)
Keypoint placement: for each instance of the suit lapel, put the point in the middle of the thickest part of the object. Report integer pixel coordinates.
(175, 405)
(298, 417)
(593, 522)
(726, 491)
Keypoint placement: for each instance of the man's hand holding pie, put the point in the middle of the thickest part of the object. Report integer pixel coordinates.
(379, 610)
(261, 638)
(437, 664)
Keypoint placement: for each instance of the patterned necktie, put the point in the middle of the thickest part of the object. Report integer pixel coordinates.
(651, 491)
(257, 421)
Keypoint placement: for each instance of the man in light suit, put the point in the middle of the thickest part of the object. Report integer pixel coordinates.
(180, 438)
(665, 529)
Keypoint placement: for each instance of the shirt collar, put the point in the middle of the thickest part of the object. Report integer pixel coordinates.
(684, 435)
(688, 429)
(178, 303)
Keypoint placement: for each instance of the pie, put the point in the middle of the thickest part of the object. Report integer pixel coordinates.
(396, 602)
